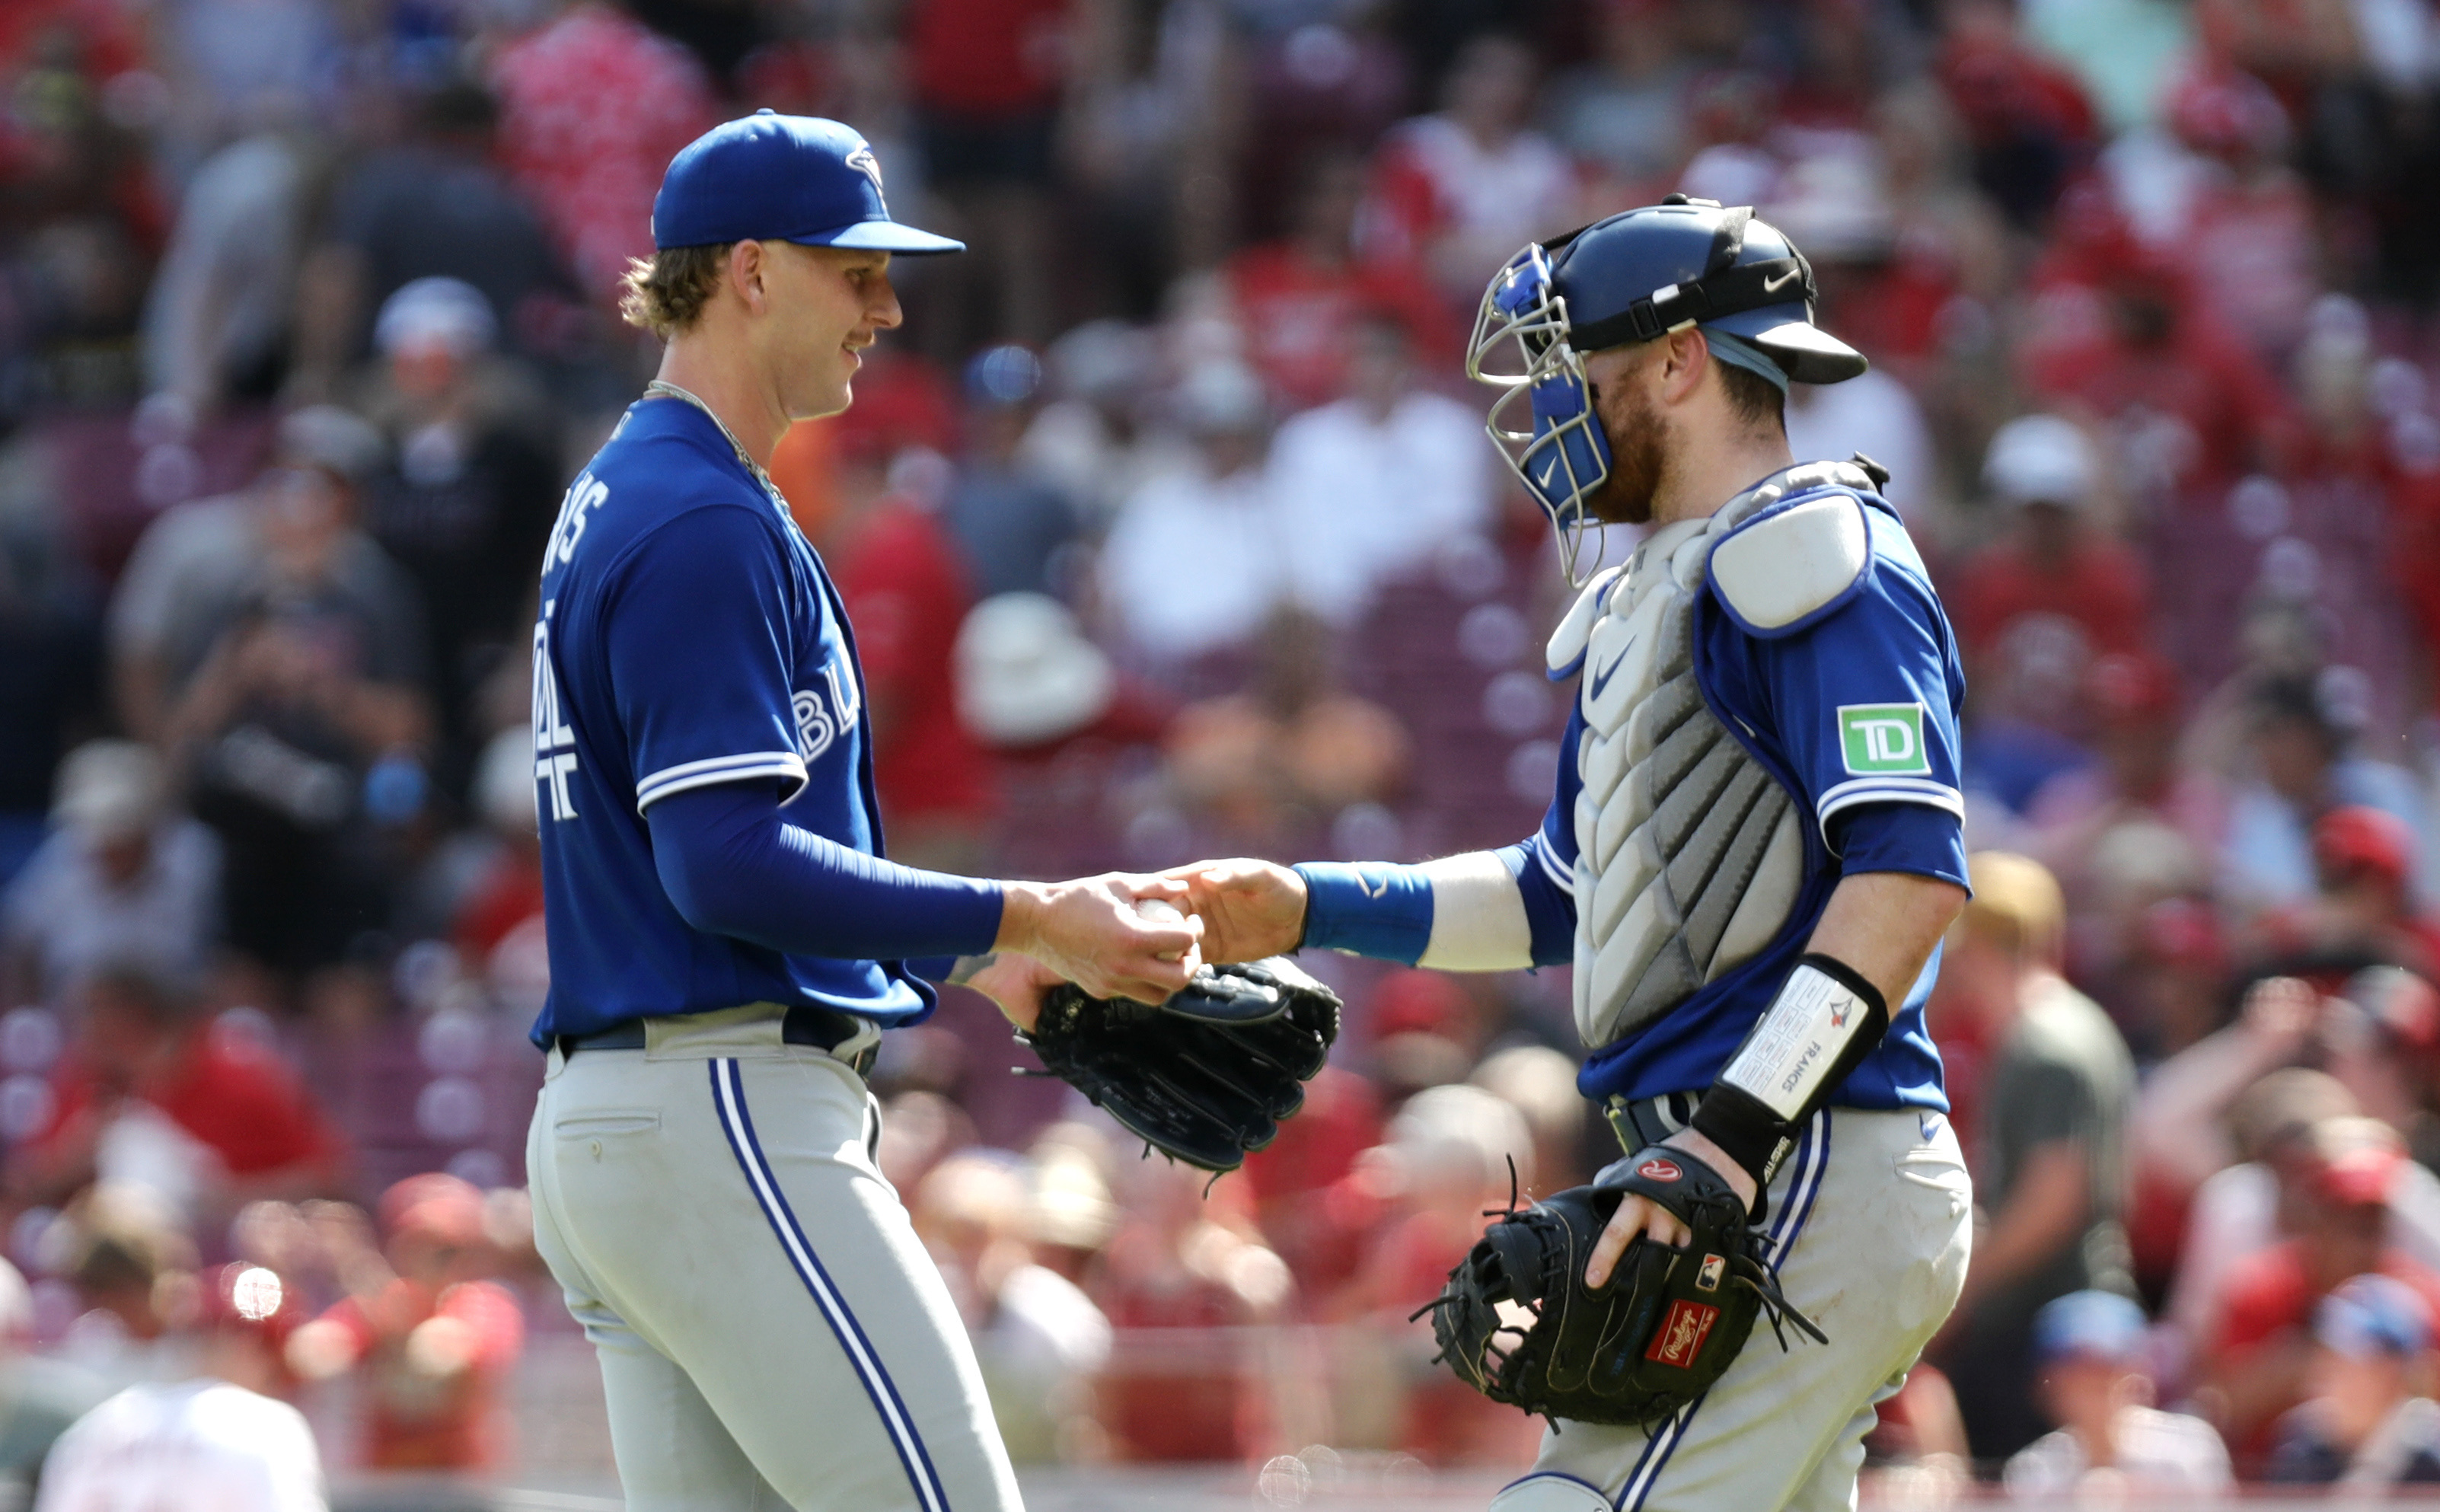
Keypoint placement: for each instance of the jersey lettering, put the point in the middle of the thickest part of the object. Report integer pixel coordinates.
(815, 729)
(554, 742)
(583, 495)
(819, 722)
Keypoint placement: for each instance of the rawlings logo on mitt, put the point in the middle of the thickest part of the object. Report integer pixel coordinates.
(1206, 1076)
(1518, 1323)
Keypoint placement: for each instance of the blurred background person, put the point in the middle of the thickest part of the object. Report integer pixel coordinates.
(124, 878)
(2368, 1419)
(219, 1442)
(157, 1091)
(2257, 1355)
(2050, 1144)
(39, 1397)
(2111, 1441)
(428, 1337)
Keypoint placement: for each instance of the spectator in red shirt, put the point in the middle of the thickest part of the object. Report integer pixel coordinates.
(1460, 191)
(1301, 299)
(2035, 607)
(147, 1053)
(2026, 116)
(906, 590)
(1180, 1262)
(2114, 328)
(1449, 1159)
(2260, 1345)
(592, 108)
(2252, 242)
(434, 1340)
(2361, 912)
(986, 77)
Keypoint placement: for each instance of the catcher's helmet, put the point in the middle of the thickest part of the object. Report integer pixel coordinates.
(1631, 278)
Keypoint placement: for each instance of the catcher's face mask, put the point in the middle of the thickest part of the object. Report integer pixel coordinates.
(1565, 459)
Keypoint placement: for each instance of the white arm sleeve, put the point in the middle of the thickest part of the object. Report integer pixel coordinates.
(1478, 916)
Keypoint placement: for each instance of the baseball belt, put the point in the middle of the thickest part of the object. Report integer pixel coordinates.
(822, 1029)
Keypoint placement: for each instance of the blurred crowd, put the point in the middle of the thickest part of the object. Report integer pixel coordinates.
(1167, 529)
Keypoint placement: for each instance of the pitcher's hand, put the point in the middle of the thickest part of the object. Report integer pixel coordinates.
(1089, 932)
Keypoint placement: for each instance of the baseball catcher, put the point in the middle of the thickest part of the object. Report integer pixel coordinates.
(1754, 848)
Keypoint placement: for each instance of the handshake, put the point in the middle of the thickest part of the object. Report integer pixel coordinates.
(1126, 935)
(1207, 1072)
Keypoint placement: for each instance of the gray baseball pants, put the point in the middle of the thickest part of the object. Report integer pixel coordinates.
(771, 1332)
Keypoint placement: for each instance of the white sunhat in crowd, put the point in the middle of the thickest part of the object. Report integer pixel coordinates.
(2039, 458)
(110, 789)
(436, 311)
(331, 438)
(1026, 674)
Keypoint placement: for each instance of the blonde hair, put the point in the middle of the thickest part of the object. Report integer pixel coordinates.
(666, 293)
(2017, 905)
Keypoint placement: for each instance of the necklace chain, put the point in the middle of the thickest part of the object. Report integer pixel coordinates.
(674, 391)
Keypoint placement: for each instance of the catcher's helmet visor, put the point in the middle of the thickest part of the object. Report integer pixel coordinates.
(1563, 458)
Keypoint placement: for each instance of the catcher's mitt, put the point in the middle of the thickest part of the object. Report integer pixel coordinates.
(1656, 1337)
(1205, 1076)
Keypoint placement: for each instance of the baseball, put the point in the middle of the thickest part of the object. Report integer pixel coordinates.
(1160, 910)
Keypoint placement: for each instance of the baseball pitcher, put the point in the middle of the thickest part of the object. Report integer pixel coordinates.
(1752, 854)
(727, 942)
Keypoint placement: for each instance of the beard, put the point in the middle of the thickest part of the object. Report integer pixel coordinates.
(1638, 456)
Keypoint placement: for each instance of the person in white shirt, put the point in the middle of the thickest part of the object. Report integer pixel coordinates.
(123, 879)
(1193, 563)
(2111, 1444)
(1372, 486)
(216, 1443)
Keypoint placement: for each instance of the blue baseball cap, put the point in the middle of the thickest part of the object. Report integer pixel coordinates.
(2094, 1324)
(770, 178)
(2373, 1315)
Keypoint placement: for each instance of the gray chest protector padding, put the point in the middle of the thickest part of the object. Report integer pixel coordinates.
(1690, 856)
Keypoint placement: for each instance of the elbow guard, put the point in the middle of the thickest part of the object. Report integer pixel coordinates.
(1824, 1021)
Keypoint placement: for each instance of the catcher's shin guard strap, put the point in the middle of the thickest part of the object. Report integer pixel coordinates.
(1825, 1020)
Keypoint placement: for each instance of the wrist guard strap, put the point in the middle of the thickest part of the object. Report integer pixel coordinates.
(1824, 1021)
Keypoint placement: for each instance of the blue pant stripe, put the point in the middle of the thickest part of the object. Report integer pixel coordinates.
(1812, 1159)
(728, 1097)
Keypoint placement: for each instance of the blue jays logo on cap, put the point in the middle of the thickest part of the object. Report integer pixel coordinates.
(864, 162)
(769, 177)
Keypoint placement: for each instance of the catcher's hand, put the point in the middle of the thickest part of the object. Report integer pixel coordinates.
(1518, 1322)
(1640, 1214)
(1205, 1076)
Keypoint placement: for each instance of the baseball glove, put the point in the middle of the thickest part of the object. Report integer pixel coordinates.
(1205, 1076)
(1518, 1323)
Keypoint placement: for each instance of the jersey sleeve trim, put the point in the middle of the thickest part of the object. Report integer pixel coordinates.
(1562, 874)
(783, 765)
(1887, 791)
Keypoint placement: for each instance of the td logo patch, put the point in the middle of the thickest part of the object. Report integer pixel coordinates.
(1883, 740)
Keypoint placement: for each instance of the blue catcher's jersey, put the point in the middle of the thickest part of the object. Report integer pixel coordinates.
(688, 635)
(1859, 707)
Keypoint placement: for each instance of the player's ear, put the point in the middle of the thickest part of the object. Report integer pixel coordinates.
(1685, 355)
(747, 264)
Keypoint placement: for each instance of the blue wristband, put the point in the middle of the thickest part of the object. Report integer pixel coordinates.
(1373, 908)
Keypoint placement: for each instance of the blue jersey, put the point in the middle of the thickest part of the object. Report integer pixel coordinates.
(1855, 713)
(689, 636)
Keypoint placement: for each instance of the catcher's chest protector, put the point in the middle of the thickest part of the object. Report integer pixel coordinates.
(1690, 856)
